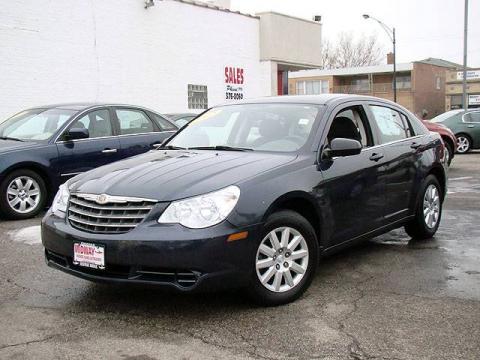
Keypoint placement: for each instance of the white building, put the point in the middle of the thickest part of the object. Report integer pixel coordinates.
(175, 56)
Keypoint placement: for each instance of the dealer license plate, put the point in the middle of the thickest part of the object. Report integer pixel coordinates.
(89, 255)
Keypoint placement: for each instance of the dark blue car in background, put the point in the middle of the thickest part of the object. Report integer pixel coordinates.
(41, 148)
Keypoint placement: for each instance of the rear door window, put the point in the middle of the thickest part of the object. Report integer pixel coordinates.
(472, 117)
(391, 125)
(164, 124)
(133, 122)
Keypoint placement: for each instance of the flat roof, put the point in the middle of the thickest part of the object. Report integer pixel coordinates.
(376, 69)
(288, 16)
(215, 7)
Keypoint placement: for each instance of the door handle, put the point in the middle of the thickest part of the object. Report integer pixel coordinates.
(109, 151)
(415, 145)
(471, 126)
(376, 156)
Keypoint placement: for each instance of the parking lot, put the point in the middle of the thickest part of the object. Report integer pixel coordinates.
(390, 298)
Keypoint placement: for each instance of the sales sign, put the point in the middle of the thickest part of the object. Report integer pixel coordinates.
(234, 82)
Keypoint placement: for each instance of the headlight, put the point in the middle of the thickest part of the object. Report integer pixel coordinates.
(60, 202)
(202, 211)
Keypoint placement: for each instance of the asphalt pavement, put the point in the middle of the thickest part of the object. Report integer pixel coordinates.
(390, 298)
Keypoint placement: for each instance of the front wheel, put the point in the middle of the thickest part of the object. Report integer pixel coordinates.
(285, 261)
(428, 212)
(23, 195)
(448, 153)
(463, 144)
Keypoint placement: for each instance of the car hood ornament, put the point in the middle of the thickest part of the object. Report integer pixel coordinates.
(102, 199)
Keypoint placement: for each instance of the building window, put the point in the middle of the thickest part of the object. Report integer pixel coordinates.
(438, 83)
(404, 82)
(359, 84)
(197, 97)
(312, 87)
(456, 102)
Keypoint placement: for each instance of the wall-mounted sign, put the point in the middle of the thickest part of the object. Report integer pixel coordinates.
(473, 99)
(234, 80)
(471, 75)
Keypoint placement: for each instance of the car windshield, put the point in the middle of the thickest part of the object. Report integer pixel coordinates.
(35, 124)
(442, 117)
(265, 127)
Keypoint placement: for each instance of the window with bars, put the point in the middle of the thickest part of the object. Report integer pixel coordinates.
(197, 96)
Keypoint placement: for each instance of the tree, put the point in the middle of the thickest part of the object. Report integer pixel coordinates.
(350, 52)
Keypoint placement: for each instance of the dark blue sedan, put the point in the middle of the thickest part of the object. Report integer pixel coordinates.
(43, 147)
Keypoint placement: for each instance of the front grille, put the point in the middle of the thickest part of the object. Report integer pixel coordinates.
(111, 215)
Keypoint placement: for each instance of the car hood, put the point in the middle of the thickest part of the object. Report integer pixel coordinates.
(171, 175)
(12, 145)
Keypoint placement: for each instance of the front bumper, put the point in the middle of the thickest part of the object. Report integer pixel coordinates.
(166, 255)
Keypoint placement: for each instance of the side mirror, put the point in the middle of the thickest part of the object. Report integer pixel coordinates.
(76, 134)
(343, 147)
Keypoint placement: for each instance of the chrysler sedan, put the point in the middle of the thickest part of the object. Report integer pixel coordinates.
(43, 147)
(251, 195)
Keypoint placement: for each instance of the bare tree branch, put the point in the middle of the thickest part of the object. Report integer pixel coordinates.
(350, 52)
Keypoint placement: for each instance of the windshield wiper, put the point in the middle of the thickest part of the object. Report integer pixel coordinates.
(10, 138)
(170, 147)
(220, 147)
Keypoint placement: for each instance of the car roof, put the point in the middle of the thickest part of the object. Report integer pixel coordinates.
(176, 116)
(80, 106)
(322, 99)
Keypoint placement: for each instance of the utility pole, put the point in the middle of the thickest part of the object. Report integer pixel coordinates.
(465, 37)
(395, 68)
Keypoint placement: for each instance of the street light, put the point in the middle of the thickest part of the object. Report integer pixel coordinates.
(391, 35)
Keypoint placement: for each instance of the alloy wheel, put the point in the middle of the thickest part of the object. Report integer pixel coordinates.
(23, 194)
(431, 206)
(463, 144)
(282, 259)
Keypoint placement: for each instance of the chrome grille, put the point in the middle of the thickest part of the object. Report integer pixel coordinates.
(105, 214)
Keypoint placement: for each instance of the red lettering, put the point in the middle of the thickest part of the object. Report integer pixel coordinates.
(234, 75)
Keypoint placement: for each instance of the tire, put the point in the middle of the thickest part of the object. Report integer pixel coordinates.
(282, 260)
(464, 143)
(425, 226)
(33, 203)
(449, 150)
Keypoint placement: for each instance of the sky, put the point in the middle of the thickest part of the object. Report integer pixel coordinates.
(424, 28)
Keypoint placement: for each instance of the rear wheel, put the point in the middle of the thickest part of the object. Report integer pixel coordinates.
(428, 212)
(464, 143)
(285, 261)
(23, 195)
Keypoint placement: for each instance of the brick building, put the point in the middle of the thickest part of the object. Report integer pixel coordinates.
(420, 84)
(454, 89)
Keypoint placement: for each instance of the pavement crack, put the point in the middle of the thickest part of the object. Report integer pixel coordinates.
(14, 283)
(355, 349)
(47, 338)
(253, 354)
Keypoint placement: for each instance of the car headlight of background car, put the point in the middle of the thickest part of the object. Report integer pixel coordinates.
(60, 202)
(202, 211)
